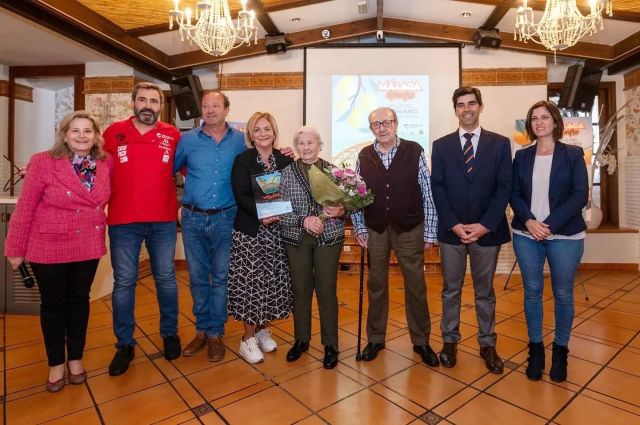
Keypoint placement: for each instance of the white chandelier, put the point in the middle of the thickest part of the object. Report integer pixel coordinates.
(562, 25)
(212, 29)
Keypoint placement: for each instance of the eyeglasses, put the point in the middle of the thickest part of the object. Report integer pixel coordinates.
(386, 123)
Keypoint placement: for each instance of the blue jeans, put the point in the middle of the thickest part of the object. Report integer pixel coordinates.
(207, 247)
(125, 243)
(564, 256)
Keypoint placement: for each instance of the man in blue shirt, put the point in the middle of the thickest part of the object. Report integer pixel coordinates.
(209, 210)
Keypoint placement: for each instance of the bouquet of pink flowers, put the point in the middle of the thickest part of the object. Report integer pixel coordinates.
(339, 186)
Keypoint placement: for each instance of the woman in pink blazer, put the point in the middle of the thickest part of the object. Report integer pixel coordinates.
(59, 227)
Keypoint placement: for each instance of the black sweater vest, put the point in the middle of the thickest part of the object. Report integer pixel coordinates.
(398, 199)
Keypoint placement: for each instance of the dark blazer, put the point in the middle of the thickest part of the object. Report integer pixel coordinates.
(244, 166)
(568, 189)
(477, 197)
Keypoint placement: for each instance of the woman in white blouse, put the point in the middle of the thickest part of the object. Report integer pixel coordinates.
(550, 189)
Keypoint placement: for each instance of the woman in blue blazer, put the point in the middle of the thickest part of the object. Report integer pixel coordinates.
(550, 189)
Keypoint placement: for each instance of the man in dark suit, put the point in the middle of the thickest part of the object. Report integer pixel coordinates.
(471, 184)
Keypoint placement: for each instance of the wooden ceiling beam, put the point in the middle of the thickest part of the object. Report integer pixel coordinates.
(291, 4)
(624, 64)
(424, 30)
(79, 15)
(150, 30)
(465, 35)
(159, 28)
(620, 15)
(33, 11)
(263, 16)
(627, 45)
(297, 39)
(498, 13)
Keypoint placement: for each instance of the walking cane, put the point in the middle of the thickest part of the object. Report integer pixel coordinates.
(358, 353)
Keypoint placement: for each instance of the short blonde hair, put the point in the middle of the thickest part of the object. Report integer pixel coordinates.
(248, 135)
(61, 149)
(309, 130)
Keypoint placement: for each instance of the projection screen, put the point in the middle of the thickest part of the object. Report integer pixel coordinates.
(344, 83)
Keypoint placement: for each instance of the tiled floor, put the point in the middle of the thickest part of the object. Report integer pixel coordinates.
(604, 369)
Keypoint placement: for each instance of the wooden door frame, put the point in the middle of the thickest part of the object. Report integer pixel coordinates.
(609, 190)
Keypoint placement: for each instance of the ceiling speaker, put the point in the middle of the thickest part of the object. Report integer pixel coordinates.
(275, 43)
(487, 38)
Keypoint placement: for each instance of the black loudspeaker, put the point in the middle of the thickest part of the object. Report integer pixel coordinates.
(275, 43)
(187, 93)
(580, 88)
(487, 38)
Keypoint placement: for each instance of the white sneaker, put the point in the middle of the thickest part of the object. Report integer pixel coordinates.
(265, 342)
(250, 352)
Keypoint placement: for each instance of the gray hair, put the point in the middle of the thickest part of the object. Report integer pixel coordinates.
(308, 130)
(383, 108)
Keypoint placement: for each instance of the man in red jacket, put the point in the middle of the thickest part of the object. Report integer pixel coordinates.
(143, 207)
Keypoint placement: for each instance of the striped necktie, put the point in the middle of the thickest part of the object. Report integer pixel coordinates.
(467, 151)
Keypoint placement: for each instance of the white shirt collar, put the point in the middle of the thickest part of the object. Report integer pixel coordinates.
(475, 132)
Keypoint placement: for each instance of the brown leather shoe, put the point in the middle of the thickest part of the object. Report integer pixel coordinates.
(195, 345)
(216, 348)
(491, 359)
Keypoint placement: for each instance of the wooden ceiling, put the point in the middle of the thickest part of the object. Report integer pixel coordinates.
(115, 28)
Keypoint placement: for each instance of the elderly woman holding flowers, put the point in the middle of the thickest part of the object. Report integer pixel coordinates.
(313, 237)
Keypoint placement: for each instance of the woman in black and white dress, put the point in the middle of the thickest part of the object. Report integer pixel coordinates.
(259, 285)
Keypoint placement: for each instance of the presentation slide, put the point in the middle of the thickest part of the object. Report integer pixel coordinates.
(343, 84)
(354, 96)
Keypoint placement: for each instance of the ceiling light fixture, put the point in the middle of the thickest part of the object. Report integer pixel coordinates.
(562, 24)
(213, 30)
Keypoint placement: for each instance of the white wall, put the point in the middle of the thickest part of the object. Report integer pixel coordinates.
(611, 248)
(285, 105)
(107, 69)
(34, 125)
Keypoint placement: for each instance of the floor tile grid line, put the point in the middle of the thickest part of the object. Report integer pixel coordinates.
(293, 378)
(186, 377)
(364, 388)
(582, 388)
(143, 332)
(147, 355)
(279, 385)
(96, 406)
(170, 382)
(622, 292)
(95, 403)
(586, 281)
(484, 391)
(602, 368)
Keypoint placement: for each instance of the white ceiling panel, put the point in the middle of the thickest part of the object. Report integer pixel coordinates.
(27, 44)
(320, 14)
(447, 12)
